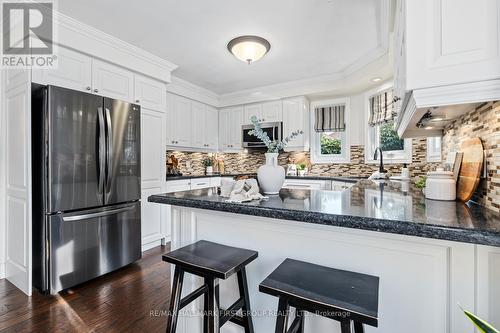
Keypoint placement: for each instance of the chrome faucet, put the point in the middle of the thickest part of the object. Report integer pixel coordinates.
(375, 156)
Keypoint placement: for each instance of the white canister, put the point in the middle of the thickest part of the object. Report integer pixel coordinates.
(440, 185)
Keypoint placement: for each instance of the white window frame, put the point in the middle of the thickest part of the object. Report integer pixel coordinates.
(372, 136)
(345, 156)
(434, 145)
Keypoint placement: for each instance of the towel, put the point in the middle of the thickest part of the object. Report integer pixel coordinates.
(245, 190)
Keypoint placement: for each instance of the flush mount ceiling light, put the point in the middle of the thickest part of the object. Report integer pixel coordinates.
(248, 48)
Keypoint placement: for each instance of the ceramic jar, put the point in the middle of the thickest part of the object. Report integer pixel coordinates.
(440, 185)
(271, 176)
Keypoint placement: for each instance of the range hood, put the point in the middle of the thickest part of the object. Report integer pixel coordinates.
(425, 112)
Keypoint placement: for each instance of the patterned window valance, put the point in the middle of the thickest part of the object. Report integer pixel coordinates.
(330, 119)
(382, 108)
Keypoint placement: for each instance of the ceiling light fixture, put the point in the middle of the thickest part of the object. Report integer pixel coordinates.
(248, 48)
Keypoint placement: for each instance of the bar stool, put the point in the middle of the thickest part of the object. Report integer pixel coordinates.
(211, 261)
(348, 297)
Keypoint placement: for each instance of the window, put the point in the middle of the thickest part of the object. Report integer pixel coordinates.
(330, 146)
(395, 149)
(434, 149)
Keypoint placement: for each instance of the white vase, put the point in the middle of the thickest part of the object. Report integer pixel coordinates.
(209, 170)
(271, 176)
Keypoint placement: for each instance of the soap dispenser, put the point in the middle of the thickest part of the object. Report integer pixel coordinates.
(405, 172)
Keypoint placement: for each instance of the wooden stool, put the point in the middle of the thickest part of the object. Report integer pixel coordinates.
(348, 297)
(211, 261)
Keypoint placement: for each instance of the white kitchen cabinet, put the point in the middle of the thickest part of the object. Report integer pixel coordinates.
(252, 110)
(296, 117)
(178, 185)
(149, 93)
(445, 53)
(154, 225)
(230, 121)
(205, 126)
(272, 111)
(307, 184)
(200, 183)
(179, 121)
(211, 128)
(73, 71)
(112, 81)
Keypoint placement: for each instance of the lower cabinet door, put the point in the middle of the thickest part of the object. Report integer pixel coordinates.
(154, 219)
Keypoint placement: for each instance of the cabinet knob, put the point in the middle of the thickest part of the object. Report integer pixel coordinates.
(88, 88)
(96, 90)
(137, 101)
(396, 98)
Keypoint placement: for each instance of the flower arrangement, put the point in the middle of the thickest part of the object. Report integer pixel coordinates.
(274, 146)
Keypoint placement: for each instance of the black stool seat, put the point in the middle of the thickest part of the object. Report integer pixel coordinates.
(217, 260)
(325, 291)
(211, 261)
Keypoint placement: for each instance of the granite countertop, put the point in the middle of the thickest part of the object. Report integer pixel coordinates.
(391, 207)
(307, 177)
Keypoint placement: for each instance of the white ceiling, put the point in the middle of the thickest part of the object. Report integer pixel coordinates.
(309, 38)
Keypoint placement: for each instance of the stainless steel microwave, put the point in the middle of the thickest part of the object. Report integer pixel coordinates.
(274, 130)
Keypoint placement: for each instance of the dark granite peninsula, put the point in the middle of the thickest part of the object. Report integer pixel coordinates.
(429, 255)
(392, 207)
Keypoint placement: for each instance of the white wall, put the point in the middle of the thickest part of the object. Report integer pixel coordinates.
(2, 183)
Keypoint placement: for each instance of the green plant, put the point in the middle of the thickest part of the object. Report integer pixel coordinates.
(481, 325)
(421, 182)
(389, 139)
(330, 146)
(207, 162)
(301, 166)
(272, 146)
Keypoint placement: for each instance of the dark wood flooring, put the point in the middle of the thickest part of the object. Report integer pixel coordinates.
(128, 300)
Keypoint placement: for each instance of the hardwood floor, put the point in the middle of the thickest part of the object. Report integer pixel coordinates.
(127, 300)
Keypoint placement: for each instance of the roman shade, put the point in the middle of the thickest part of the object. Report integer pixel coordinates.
(330, 119)
(382, 108)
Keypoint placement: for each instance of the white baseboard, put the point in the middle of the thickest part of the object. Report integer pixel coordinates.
(2, 270)
(151, 245)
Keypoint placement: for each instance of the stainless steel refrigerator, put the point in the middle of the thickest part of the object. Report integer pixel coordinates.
(86, 186)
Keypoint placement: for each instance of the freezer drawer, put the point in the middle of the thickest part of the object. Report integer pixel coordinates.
(86, 244)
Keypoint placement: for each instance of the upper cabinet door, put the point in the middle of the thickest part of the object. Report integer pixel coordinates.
(181, 118)
(252, 110)
(211, 127)
(272, 111)
(112, 81)
(150, 93)
(199, 124)
(74, 71)
(296, 117)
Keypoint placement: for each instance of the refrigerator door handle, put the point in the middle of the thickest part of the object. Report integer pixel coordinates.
(102, 152)
(97, 214)
(109, 150)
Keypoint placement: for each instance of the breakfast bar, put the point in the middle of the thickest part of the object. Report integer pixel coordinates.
(430, 255)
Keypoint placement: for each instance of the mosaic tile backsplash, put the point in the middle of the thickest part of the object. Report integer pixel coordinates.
(251, 161)
(482, 122)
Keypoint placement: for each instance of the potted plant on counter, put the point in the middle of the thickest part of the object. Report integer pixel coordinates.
(302, 169)
(208, 163)
(271, 176)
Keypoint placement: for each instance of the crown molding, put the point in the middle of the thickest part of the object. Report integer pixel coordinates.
(190, 90)
(76, 35)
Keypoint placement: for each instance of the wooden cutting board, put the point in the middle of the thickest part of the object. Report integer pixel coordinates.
(470, 171)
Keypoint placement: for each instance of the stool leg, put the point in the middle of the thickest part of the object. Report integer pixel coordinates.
(211, 319)
(247, 312)
(300, 313)
(282, 316)
(345, 326)
(358, 327)
(175, 299)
